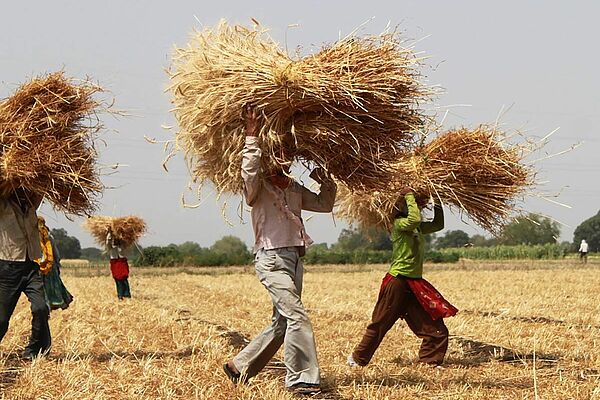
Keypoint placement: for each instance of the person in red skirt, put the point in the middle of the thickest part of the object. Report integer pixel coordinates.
(404, 293)
(118, 266)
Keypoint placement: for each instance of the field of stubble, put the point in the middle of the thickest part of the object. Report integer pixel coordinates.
(524, 331)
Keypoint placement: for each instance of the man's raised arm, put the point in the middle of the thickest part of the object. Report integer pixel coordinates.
(251, 157)
(325, 200)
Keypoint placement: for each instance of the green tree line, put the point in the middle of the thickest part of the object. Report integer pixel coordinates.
(531, 237)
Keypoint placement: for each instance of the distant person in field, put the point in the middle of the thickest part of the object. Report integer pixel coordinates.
(404, 293)
(583, 251)
(19, 246)
(280, 241)
(57, 295)
(119, 267)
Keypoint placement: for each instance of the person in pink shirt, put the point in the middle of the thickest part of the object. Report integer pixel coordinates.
(280, 242)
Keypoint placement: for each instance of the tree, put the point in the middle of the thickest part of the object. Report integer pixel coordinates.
(189, 250)
(377, 239)
(455, 238)
(363, 238)
(534, 229)
(482, 241)
(68, 246)
(91, 254)
(430, 241)
(163, 256)
(590, 231)
(232, 250)
(350, 240)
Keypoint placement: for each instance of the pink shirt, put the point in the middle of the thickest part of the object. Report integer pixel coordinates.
(276, 213)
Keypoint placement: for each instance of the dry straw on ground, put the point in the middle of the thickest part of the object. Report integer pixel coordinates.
(47, 132)
(349, 106)
(509, 341)
(126, 230)
(474, 170)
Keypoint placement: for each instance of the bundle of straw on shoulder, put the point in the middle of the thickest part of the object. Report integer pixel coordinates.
(474, 170)
(125, 230)
(47, 132)
(349, 107)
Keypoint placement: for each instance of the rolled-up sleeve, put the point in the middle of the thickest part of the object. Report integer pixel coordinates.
(322, 202)
(437, 224)
(413, 220)
(251, 169)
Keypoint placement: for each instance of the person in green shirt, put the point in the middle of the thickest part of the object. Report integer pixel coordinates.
(404, 293)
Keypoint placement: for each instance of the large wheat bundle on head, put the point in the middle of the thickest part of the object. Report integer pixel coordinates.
(350, 106)
(474, 170)
(47, 132)
(365, 208)
(125, 230)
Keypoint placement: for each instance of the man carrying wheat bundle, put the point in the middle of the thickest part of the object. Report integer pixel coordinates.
(47, 132)
(280, 240)
(19, 246)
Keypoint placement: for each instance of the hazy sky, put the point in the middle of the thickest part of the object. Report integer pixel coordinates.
(540, 57)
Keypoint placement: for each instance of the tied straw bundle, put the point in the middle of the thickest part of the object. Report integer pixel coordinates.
(126, 230)
(349, 107)
(473, 170)
(47, 129)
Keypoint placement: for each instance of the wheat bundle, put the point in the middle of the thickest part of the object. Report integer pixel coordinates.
(365, 207)
(474, 170)
(349, 107)
(47, 130)
(125, 230)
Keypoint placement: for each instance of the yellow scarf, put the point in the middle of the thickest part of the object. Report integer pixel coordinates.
(47, 259)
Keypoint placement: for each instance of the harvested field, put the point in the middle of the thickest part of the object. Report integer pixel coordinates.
(526, 330)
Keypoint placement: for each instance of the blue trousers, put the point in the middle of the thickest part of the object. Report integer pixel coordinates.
(123, 288)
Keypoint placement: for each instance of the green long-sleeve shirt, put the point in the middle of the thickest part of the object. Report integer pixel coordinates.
(408, 242)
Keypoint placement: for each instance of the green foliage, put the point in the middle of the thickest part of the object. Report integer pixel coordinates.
(350, 240)
(92, 254)
(159, 256)
(590, 231)
(363, 238)
(332, 256)
(532, 230)
(360, 246)
(441, 257)
(323, 255)
(430, 241)
(546, 251)
(68, 246)
(455, 238)
(228, 250)
(231, 250)
(480, 241)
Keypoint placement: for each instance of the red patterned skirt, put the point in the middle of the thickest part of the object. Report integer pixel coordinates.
(432, 301)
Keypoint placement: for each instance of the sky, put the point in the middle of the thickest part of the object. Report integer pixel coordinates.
(535, 63)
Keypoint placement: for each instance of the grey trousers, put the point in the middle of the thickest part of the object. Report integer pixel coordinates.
(281, 272)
